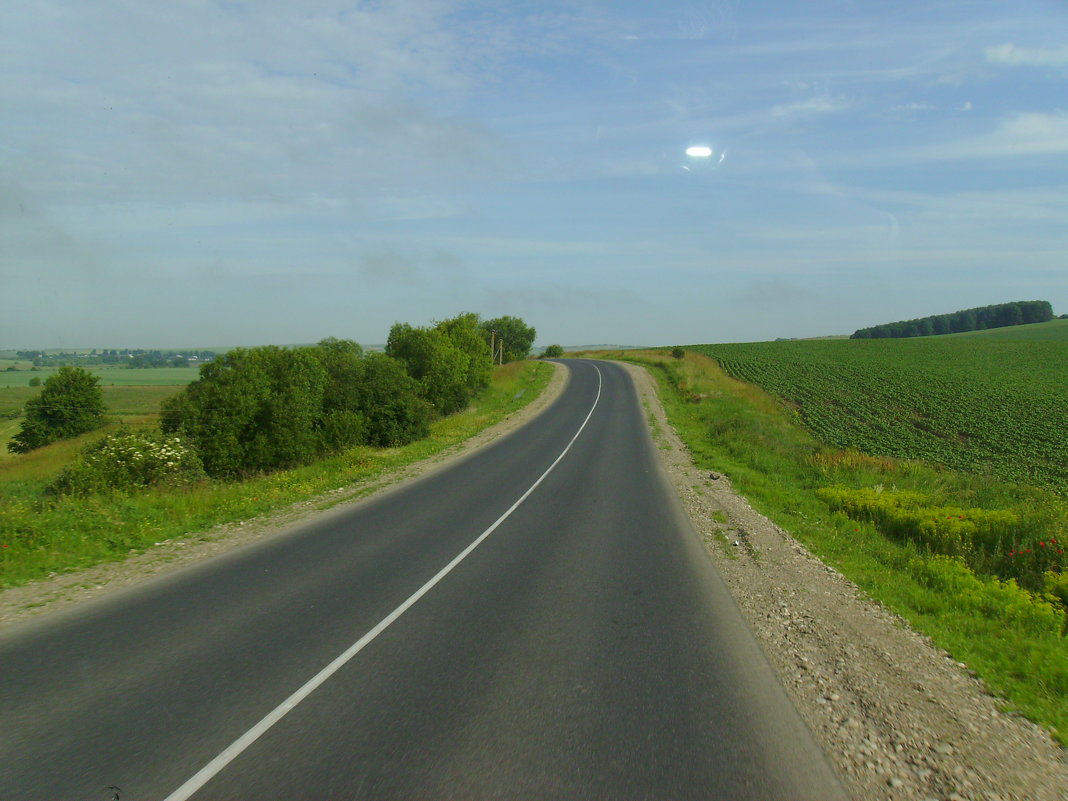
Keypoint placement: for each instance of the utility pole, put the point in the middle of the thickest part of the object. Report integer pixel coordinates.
(496, 350)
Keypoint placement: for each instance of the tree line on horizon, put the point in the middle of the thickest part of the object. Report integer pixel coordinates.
(125, 357)
(1000, 315)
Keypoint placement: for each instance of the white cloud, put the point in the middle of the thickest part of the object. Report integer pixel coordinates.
(814, 105)
(913, 107)
(1028, 56)
(1026, 134)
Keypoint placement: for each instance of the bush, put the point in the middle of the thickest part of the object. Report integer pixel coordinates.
(440, 368)
(71, 403)
(1057, 586)
(517, 336)
(389, 400)
(553, 352)
(342, 423)
(35, 381)
(990, 598)
(677, 353)
(464, 331)
(129, 461)
(252, 410)
(993, 541)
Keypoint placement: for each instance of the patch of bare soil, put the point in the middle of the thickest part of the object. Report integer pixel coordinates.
(898, 718)
(63, 590)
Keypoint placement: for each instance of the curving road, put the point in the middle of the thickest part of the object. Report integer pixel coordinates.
(439, 641)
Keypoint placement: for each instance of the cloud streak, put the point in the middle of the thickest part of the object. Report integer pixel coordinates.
(1015, 56)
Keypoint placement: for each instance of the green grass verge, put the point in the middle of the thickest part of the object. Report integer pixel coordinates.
(41, 535)
(1011, 638)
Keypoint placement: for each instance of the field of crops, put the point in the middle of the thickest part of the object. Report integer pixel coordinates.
(109, 376)
(976, 403)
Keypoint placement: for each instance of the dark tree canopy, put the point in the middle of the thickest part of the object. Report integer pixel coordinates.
(71, 403)
(260, 409)
(978, 319)
(517, 335)
(253, 409)
(450, 361)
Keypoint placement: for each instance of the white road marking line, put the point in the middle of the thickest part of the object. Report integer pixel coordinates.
(205, 774)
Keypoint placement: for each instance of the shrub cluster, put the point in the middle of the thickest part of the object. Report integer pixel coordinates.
(992, 541)
(126, 461)
(265, 408)
(992, 598)
(450, 361)
(260, 409)
(71, 403)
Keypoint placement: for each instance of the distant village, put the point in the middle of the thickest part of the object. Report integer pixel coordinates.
(126, 357)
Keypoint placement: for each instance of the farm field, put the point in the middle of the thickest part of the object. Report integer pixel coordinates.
(1053, 330)
(990, 401)
(109, 376)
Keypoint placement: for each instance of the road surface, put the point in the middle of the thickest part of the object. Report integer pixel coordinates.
(536, 621)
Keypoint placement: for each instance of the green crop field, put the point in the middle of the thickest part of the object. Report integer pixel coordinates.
(109, 376)
(1053, 330)
(992, 401)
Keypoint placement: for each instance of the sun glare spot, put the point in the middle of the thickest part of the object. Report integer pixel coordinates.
(699, 152)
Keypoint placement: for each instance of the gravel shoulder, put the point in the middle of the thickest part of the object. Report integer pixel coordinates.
(19, 604)
(898, 717)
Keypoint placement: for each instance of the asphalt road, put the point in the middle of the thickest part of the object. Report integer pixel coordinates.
(584, 649)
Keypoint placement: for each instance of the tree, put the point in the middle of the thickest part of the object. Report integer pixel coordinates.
(342, 422)
(552, 352)
(389, 400)
(465, 333)
(439, 367)
(518, 337)
(70, 403)
(253, 409)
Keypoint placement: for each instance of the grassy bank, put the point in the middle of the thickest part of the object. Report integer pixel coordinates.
(40, 535)
(1009, 636)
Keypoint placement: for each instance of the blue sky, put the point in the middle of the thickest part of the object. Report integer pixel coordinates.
(220, 172)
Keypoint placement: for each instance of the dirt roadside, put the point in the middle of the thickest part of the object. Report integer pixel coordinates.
(898, 718)
(19, 604)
